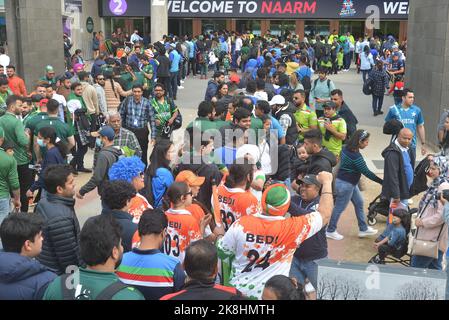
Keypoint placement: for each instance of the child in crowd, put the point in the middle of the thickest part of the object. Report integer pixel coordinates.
(227, 63)
(396, 240)
(397, 89)
(299, 165)
(340, 57)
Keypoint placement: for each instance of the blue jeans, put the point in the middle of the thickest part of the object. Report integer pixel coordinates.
(347, 192)
(378, 101)
(302, 269)
(347, 61)
(173, 84)
(5, 210)
(427, 263)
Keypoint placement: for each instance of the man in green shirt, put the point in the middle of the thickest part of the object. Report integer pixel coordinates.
(165, 110)
(333, 128)
(102, 251)
(15, 134)
(205, 114)
(63, 131)
(305, 117)
(9, 181)
(50, 75)
(148, 73)
(5, 92)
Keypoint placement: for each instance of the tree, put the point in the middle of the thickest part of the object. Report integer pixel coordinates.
(418, 290)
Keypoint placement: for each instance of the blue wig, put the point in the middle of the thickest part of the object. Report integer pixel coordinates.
(126, 169)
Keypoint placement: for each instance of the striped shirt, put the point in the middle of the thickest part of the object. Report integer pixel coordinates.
(151, 272)
(352, 166)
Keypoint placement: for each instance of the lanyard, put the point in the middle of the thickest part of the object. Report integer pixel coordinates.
(134, 112)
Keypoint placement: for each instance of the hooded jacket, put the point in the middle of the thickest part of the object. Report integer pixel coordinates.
(22, 278)
(96, 68)
(212, 88)
(106, 158)
(60, 247)
(322, 161)
(395, 184)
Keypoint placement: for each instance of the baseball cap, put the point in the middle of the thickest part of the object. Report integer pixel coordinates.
(2, 133)
(49, 69)
(330, 104)
(396, 54)
(276, 200)
(277, 100)
(311, 179)
(43, 103)
(190, 178)
(107, 132)
(234, 78)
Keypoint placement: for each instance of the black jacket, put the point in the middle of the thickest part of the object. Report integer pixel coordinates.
(350, 119)
(208, 170)
(287, 115)
(315, 247)
(284, 171)
(129, 228)
(163, 70)
(197, 290)
(322, 161)
(22, 278)
(60, 248)
(395, 184)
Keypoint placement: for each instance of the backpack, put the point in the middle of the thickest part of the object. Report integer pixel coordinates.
(326, 53)
(367, 89)
(107, 294)
(420, 178)
(253, 52)
(306, 81)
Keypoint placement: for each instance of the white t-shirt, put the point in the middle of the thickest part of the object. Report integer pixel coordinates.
(4, 61)
(238, 44)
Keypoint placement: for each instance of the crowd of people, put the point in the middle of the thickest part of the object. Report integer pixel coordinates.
(243, 209)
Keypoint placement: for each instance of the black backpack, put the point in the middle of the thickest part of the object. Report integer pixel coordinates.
(420, 178)
(327, 52)
(107, 294)
(367, 89)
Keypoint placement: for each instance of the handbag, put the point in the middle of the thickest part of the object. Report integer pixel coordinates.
(425, 248)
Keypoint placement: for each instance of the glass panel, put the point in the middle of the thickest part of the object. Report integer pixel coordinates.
(280, 27)
(314, 28)
(253, 25)
(213, 25)
(356, 28)
(388, 28)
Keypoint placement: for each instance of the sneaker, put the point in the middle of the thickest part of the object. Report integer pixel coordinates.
(180, 87)
(369, 232)
(410, 202)
(182, 81)
(334, 236)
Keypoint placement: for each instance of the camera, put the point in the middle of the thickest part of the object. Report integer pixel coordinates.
(445, 194)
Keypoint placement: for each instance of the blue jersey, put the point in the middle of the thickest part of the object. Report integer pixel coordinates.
(411, 118)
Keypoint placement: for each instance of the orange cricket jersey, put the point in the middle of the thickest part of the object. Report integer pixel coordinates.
(263, 246)
(234, 204)
(183, 229)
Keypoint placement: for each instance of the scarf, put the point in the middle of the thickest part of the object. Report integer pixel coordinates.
(432, 193)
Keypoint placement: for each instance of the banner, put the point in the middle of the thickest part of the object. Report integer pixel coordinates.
(264, 9)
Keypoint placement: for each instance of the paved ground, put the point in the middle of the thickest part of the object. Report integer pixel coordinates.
(351, 248)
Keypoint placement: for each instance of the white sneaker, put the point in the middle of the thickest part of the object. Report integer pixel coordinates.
(180, 87)
(334, 236)
(369, 232)
(182, 81)
(410, 202)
